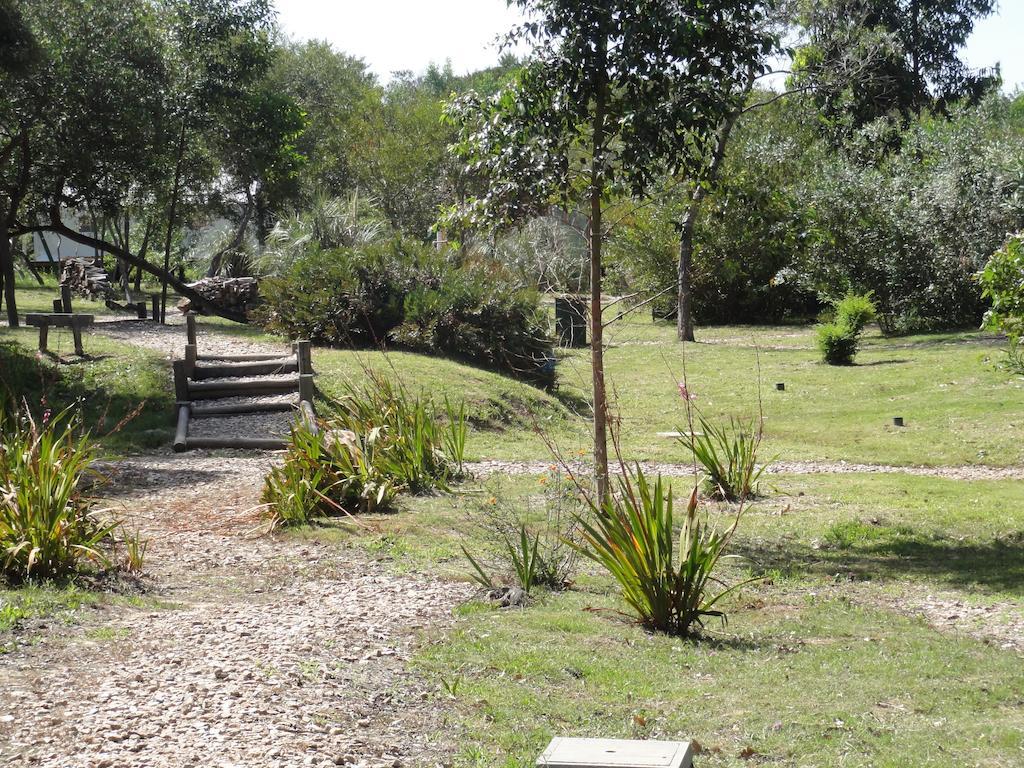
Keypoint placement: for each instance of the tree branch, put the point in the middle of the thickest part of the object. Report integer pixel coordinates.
(57, 226)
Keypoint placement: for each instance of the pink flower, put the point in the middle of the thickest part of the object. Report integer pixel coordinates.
(685, 393)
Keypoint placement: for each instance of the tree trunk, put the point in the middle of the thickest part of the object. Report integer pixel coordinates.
(596, 310)
(7, 272)
(143, 250)
(684, 287)
(170, 223)
(684, 303)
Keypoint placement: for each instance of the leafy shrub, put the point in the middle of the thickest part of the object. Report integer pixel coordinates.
(380, 442)
(1002, 283)
(632, 535)
(837, 343)
(838, 340)
(47, 522)
(855, 311)
(533, 543)
(403, 292)
(728, 456)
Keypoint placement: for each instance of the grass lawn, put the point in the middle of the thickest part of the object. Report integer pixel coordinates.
(126, 390)
(816, 666)
(959, 406)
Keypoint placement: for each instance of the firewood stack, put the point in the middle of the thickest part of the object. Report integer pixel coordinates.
(239, 294)
(86, 279)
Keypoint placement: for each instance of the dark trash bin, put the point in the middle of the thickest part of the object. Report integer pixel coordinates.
(571, 321)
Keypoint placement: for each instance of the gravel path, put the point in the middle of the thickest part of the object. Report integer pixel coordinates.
(170, 339)
(968, 472)
(269, 652)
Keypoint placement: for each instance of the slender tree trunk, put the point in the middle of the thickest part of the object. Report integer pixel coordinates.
(596, 312)
(684, 286)
(143, 249)
(7, 273)
(170, 223)
(684, 305)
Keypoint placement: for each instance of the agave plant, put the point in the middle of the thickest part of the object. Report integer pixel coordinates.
(632, 535)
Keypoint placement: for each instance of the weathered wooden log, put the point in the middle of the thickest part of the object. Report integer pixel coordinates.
(212, 390)
(181, 386)
(254, 368)
(239, 358)
(309, 416)
(304, 353)
(229, 409)
(306, 388)
(251, 443)
(181, 434)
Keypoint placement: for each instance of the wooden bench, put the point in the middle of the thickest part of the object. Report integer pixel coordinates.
(59, 320)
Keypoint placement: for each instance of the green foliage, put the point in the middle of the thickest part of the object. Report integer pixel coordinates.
(914, 227)
(867, 60)
(837, 343)
(728, 455)
(524, 557)
(47, 523)
(838, 340)
(855, 311)
(1002, 282)
(403, 292)
(632, 535)
(380, 442)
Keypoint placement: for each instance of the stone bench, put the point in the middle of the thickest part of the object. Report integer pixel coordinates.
(43, 320)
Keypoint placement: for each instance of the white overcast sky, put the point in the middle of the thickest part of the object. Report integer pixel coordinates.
(392, 35)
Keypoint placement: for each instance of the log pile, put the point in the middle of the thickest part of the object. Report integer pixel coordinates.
(238, 294)
(86, 279)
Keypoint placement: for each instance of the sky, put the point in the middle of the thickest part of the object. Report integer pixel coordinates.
(393, 35)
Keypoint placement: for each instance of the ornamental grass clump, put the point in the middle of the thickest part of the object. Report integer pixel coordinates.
(728, 456)
(381, 441)
(671, 583)
(48, 522)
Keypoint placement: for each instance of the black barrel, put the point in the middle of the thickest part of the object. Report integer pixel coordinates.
(571, 321)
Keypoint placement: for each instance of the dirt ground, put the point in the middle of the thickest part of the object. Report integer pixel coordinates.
(250, 650)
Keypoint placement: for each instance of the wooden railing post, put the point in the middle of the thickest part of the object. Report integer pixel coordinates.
(190, 327)
(304, 355)
(181, 381)
(65, 298)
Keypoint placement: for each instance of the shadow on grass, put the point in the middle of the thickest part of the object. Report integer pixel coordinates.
(883, 362)
(991, 567)
(115, 411)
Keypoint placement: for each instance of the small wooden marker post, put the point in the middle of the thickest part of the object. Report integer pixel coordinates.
(616, 753)
(65, 299)
(58, 307)
(781, 386)
(190, 328)
(157, 315)
(897, 421)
